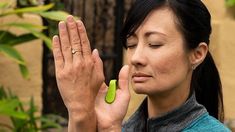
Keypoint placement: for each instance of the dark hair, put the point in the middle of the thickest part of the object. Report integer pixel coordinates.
(194, 22)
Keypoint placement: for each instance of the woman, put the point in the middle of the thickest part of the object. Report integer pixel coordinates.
(167, 47)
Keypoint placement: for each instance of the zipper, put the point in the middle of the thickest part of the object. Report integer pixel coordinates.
(147, 125)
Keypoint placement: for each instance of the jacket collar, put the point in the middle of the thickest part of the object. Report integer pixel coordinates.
(176, 119)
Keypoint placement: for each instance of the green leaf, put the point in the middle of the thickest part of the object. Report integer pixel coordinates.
(3, 5)
(3, 93)
(46, 39)
(6, 36)
(32, 108)
(31, 111)
(22, 39)
(55, 15)
(12, 54)
(230, 3)
(24, 25)
(8, 108)
(15, 56)
(24, 71)
(10, 39)
(29, 10)
(49, 122)
(31, 28)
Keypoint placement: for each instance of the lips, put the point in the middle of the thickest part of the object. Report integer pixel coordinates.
(139, 77)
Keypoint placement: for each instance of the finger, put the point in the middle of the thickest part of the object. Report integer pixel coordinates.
(98, 62)
(98, 65)
(102, 93)
(58, 56)
(65, 44)
(73, 36)
(86, 48)
(103, 89)
(123, 82)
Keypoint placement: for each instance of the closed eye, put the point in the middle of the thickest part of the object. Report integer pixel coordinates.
(155, 45)
(131, 46)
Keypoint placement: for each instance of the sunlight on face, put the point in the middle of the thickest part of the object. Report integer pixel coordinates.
(157, 59)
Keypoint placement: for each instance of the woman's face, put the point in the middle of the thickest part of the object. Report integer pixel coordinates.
(157, 56)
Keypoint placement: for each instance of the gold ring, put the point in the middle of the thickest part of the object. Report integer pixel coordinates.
(74, 51)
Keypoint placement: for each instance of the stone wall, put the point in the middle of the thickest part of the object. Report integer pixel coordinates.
(10, 76)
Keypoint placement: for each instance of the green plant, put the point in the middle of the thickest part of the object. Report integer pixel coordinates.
(25, 3)
(24, 120)
(230, 3)
(8, 39)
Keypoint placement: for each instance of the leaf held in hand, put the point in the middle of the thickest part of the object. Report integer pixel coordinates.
(111, 94)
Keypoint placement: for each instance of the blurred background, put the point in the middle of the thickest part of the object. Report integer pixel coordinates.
(29, 98)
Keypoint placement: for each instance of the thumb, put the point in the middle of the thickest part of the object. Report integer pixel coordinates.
(102, 93)
(123, 81)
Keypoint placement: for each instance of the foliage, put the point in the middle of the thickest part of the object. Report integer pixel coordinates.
(25, 3)
(230, 3)
(8, 39)
(23, 120)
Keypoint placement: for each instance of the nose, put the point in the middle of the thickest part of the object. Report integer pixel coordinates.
(138, 57)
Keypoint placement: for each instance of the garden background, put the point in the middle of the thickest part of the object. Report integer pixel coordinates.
(101, 22)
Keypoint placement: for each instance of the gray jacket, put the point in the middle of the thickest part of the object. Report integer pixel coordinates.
(173, 121)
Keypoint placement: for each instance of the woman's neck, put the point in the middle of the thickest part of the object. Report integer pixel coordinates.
(166, 102)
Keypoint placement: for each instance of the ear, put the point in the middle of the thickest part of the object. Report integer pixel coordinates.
(198, 54)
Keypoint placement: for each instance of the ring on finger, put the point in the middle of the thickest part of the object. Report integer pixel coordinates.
(74, 51)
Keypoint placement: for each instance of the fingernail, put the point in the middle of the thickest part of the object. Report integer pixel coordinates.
(96, 52)
(70, 18)
(55, 38)
(62, 25)
(79, 23)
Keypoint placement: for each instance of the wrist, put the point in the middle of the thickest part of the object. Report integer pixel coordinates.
(81, 115)
(82, 121)
(79, 111)
(112, 128)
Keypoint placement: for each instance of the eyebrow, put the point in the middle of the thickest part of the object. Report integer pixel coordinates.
(147, 34)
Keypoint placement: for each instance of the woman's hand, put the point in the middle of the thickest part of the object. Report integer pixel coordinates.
(79, 73)
(110, 116)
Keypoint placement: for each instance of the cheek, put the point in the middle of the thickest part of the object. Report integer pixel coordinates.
(128, 57)
(169, 71)
(171, 64)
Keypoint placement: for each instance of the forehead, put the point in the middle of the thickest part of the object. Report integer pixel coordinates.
(161, 20)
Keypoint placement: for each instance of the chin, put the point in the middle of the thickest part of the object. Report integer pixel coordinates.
(147, 91)
(140, 90)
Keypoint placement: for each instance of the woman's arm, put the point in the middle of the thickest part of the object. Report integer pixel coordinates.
(79, 74)
(80, 79)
